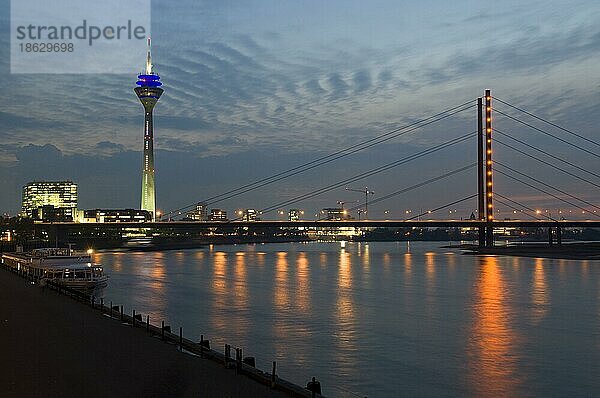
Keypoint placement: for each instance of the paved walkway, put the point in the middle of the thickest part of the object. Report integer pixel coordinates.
(53, 346)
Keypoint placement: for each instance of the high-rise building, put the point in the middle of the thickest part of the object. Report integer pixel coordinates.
(46, 195)
(148, 92)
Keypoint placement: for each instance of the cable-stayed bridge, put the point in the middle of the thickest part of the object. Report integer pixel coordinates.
(486, 199)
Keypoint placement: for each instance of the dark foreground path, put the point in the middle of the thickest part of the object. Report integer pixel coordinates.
(53, 346)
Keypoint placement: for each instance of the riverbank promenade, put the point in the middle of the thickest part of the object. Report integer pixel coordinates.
(54, 346)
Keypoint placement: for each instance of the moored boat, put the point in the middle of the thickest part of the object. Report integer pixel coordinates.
(60, 266)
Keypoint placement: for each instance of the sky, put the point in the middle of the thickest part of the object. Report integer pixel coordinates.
(256, 87)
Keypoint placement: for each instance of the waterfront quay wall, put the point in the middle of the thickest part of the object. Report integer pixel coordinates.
(232, 368)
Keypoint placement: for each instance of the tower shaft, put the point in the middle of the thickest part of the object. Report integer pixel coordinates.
(148, 92)
(148, 188)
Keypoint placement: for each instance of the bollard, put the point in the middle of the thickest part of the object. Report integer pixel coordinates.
(201, 346)
(147, 323)
(93, 301)
(102, 304)
(180, 338)
(314, 386)
(162, 330)
(111, 309)
(133, 320)
(206, 344)
(227, 354)
(238, 359)
(121, 312)
(273, 374)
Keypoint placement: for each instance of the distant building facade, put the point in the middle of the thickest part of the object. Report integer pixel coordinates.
(249, 215)
(113, 215)
(334, 214)
(50, 200)
(217, 215)
(295, 214)
(200, 213)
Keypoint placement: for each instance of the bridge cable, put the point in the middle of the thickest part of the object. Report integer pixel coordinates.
(325, 159)
(337, 155)
(516, 209)
(546, 163)
(547, 133)
(525, 206)
(548, 122)
(543, 191)
(371, 172)
(404, 190)
(542, 151)
(442, 207)
(548, 185)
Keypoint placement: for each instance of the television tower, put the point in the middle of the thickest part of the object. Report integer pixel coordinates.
(148, 91)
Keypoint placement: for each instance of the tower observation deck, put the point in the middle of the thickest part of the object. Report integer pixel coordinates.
(148, 91)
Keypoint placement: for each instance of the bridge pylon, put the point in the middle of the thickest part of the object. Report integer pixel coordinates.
(480, 173)
(489, 186)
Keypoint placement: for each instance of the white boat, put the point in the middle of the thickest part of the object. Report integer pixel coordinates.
(61, 266)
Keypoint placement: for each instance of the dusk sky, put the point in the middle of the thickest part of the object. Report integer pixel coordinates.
(256, 87)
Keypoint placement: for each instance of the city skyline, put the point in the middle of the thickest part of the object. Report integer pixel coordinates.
(259, 81)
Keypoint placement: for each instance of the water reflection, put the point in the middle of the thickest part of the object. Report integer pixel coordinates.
(492, 353)
(281, 297)
(430, 271)
(303, 285)
(323, 259)
(408, 265)
(419, 328)
(344, 314)
(240, 288)
(281, 302)
(539, 294)
(366, 257)
(219, 290)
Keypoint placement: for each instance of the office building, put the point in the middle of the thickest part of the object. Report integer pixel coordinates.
(50, 199)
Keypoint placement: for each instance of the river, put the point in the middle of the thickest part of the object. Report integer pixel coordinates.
(380, 319)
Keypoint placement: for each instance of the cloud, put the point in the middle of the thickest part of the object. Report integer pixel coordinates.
(38, 154)
(108, 148)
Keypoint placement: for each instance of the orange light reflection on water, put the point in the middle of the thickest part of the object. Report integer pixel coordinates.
(345, 313)
(303, 285)
(280, 290)
(219, 290)
(539, 295)
(408, 259)
(281, 301)
(493, 353)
